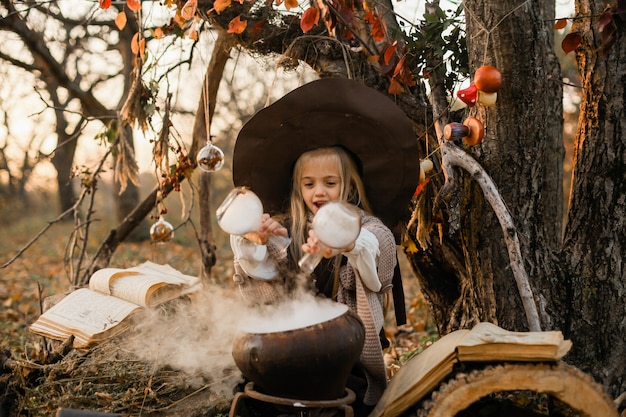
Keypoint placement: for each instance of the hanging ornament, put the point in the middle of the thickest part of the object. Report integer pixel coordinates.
(210, 158)
(161, 231)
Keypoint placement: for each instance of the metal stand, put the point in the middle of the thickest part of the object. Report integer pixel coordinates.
(249, 392)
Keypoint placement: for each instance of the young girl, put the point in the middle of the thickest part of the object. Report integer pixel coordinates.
(329, 140)
(357, 275)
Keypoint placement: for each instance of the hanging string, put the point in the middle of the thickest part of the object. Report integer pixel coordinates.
(210, 158)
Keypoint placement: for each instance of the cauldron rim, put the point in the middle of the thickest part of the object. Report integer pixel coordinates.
(344, 307)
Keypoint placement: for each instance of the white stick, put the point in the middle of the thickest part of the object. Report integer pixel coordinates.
(453, 156)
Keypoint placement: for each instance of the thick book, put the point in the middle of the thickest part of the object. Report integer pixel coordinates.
(485, 342)
(114, 295)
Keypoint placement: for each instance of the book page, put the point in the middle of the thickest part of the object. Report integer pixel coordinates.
(101, 279)
(419, 375)
(87, 311)
(487, 341)
(166, 272)
(138, 283)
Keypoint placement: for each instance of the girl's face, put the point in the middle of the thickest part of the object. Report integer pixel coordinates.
(320, 182)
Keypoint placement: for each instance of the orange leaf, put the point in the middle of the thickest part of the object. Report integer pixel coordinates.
(310, 17)
(378, 32)
(237, 25)
(105, 4)
(395, 87)
(279, 2)
(420, 187)
(134, 44)
(120, 20)
(220, 5)
(158, 33)
(137, 46)
(291, 4)
(189, 9)
(390, 51)
(571, 41)
(560, 24)
(134, 5)
(256, 29)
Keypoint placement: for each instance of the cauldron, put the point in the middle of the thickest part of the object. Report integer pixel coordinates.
(312, 362)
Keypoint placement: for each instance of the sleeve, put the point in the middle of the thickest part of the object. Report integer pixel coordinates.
(364, 258)
(385, 256)
(254, 259)
(256, 273)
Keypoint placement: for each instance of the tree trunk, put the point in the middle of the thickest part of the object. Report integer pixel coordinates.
(62, 161)
(595, 235)
(466, 275)
(201, 137)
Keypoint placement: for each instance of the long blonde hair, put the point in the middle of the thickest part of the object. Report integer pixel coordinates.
(352, 190)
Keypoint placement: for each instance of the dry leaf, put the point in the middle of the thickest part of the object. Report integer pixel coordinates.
(395, 87)
(378, 32)
(571, 41)
(137, 46)
(105, 4)
(220, 5)
(390, 51)
(310, 17)
(237, 25)
(291, 4)
(189, 9)
(560, 24)
(120, 20)
(134, 5)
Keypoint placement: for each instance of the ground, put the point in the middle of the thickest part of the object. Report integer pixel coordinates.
(111, 377)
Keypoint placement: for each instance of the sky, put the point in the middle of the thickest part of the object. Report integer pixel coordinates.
(411, 10)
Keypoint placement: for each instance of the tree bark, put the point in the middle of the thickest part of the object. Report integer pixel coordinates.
(463, 265)
(201, 137)
(595, 235)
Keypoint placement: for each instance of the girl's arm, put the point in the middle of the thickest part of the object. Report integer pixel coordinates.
(374, 254)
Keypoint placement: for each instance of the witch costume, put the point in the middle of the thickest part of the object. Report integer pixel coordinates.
(380, 139)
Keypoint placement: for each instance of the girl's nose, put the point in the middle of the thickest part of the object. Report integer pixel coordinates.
(319, 190)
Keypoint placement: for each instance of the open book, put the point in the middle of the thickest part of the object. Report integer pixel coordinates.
(486, 342)
(114, 295)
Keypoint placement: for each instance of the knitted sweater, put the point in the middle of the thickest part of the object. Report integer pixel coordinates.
(351, 291)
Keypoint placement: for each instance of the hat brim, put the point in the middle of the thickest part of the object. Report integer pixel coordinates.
(329, 112)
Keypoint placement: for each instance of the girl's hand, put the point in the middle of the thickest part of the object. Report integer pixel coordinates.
(314, 245)
(268, 227)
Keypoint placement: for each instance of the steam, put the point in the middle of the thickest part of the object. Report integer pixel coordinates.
(196, 336)
(292, 314)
